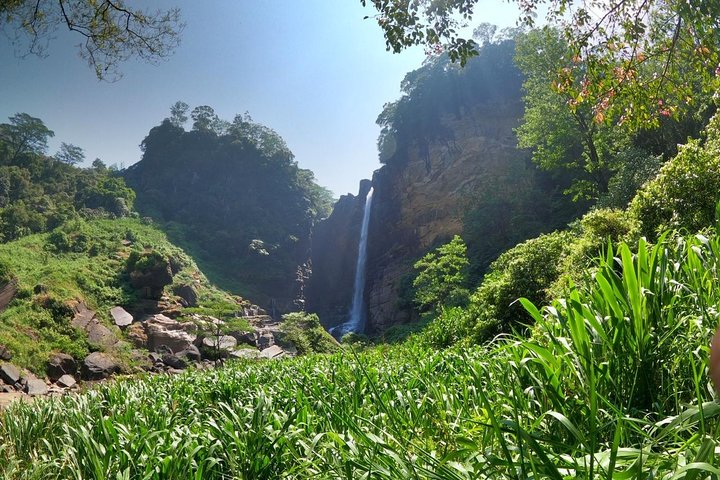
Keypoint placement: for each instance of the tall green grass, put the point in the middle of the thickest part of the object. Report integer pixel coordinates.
(611, 384)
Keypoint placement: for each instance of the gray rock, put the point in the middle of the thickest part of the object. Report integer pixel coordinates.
(66, 381)
(173, 361)
(192, 354)
(248, 353)
(265, 340)
(5, 353)
(60, 364)
(188, 293)
(247, 338)
(175, 335)
(100, 335)
(273, 352)
(223, 342)
(121, 317)
(9, 373)
(155, 357)
(99, 365)
(35, 386)
(83, 316)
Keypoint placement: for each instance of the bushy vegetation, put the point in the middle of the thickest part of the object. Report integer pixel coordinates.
(303, 330)
(611, 384)
(232, 195)
(82, 261)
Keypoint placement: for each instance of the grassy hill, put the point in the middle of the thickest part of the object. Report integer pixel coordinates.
(86, 261)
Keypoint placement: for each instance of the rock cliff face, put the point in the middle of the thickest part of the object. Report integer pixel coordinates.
(424, 202)
(335, 249)
(452, 166)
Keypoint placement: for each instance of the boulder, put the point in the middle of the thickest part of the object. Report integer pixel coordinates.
(5, 353)
(247, 338)
(173, 361)
(273, 352)
(121, 317)
(136, 334)
(100, 335)
(265, 339)
(188, 293)
(97, 366)
(9, 373)
(174, 335)
(35, 386)
(223, 342)
(191, 353)
(83, 316)
(66, 381)
(248, 353)
(61, 364)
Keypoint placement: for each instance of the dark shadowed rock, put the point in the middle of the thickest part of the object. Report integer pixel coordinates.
(8, 290)
(175, 335)
(5, 353)
(66, 381)
(265, 340)
(97, 366)
(191, 353)
(153, 278)
(121, 317)
(9, 373)
(188, 293)
(61, 364)
(173, 361)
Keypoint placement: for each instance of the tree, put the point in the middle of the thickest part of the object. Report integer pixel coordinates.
(112, 31)
(70, 154)
(24, 134)
(641, 61)
(206, 120)
(442, 276)
(562, 137)
(178, 113)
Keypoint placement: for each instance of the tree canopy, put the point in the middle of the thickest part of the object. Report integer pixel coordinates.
(633, 62)
(111, 31)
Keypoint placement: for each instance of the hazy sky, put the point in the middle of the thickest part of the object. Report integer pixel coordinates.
(313, 70)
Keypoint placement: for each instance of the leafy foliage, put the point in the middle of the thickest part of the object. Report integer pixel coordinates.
(525, 270)
(307, 334)
(234, 197)
(441, 278)
(686, 191)
(610, 385)
(113, 31)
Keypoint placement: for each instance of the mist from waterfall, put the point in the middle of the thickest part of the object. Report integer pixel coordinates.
(356, 323)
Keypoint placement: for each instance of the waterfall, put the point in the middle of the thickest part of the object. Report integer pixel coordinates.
(356, 323)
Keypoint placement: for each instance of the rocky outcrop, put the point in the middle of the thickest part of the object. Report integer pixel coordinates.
(466, 176)
(8, 290)
(59, 365)
(165, 332)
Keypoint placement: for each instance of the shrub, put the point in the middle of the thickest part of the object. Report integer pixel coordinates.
(685, 192)
(525, 270)
(442, 276)
(306, 333)
(447, 328)
(591, 234)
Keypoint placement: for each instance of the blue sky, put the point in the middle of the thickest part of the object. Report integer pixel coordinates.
(313, 70)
